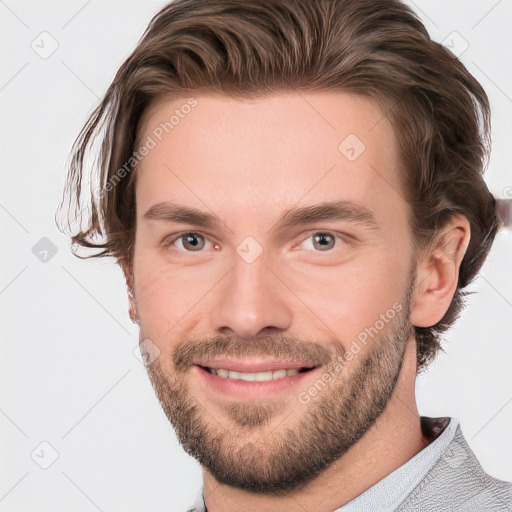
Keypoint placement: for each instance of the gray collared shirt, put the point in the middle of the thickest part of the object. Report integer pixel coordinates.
(445, 475)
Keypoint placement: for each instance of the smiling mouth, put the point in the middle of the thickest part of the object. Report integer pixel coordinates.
(262, 376)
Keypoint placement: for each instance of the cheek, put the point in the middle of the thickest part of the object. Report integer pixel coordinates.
(349, 299)
(174, 301)
(168, 299)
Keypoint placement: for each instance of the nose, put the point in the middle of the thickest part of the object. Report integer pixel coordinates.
(251, 301)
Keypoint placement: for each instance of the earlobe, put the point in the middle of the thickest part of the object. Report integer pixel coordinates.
(128, 275)
(134, 316)
(438, 273)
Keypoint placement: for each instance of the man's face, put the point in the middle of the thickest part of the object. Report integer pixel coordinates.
(274, 300)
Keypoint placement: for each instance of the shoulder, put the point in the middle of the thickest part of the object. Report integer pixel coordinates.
(457, 481)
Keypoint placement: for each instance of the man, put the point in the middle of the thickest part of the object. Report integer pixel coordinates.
(294, 192)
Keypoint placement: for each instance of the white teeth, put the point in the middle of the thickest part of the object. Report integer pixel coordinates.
(262, 376)
(257, 376)
(279, 374)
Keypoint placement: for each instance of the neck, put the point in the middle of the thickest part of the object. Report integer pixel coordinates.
(393, 439)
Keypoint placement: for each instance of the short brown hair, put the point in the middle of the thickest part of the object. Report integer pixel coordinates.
(240, 49)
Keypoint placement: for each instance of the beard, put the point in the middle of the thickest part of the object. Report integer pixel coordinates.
(251, 446)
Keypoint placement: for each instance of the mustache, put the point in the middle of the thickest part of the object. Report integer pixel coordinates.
(278, 347)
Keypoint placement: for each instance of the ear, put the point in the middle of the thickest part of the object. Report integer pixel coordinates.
(437, 272)
(127, 269)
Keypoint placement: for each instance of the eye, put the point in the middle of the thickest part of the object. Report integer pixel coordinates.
(322, 241)
(190, 242)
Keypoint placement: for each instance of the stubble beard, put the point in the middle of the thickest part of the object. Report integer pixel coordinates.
(239, 448)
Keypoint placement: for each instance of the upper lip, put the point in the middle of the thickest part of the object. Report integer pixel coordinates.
(254, 365)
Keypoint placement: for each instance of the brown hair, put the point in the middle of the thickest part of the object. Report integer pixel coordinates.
(240, 49)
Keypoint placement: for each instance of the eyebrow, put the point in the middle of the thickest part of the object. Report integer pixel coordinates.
(170, 212)
(296, 216)
(335, 210)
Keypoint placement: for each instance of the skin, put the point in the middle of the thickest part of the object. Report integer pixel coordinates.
(247, 162)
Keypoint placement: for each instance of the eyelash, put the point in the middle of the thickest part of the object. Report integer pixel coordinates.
(169, 241)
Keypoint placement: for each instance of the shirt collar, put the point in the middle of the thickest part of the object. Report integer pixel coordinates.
(387, 494)
(390, 492)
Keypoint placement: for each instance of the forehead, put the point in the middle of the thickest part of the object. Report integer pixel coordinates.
(269, 153)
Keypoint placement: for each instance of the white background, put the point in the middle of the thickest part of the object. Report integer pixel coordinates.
(68, 373)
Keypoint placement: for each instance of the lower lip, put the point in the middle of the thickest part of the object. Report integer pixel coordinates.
(252, 390)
